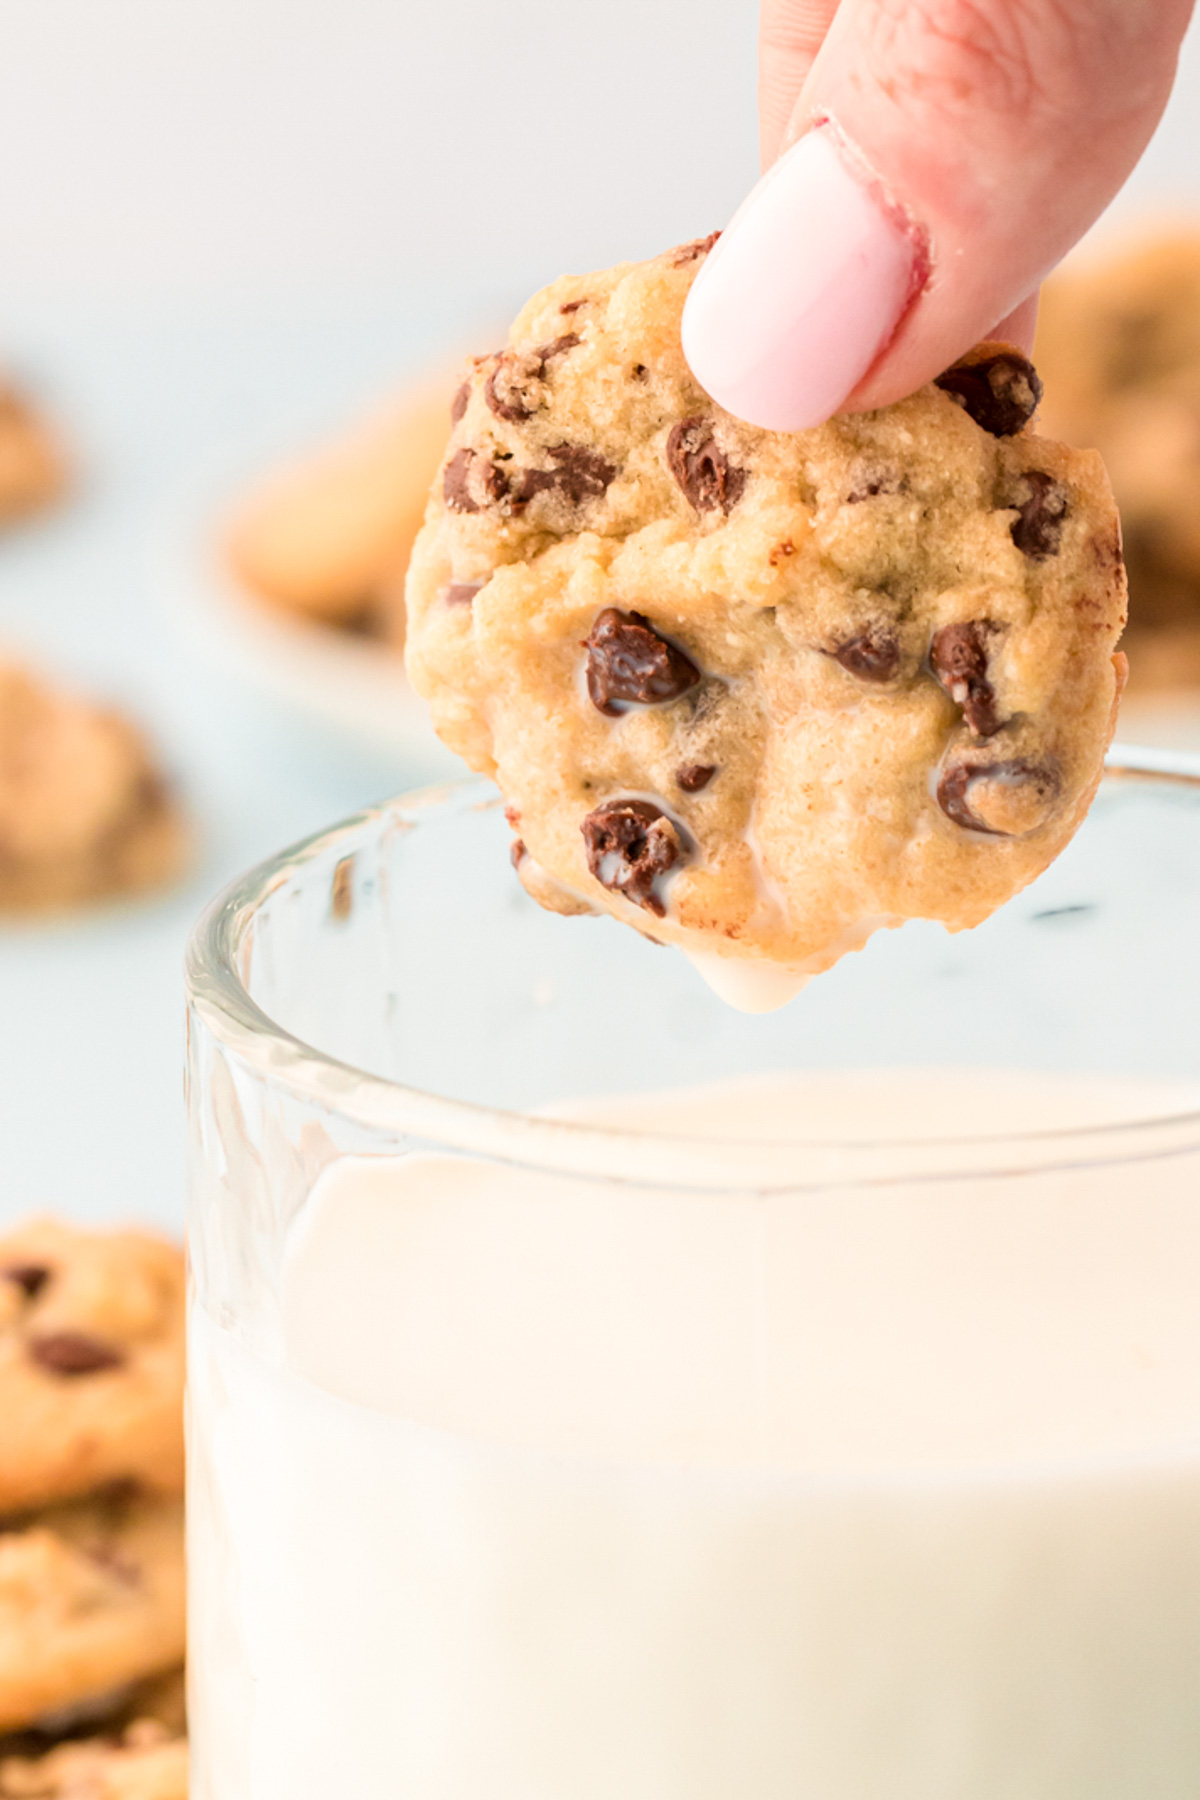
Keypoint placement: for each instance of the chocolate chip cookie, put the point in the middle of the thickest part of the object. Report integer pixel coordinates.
(145, 1763)
(329, 538)
(83, 812)
(754, 692)
(91, 1362)
(1119, 344)
(91, 1597)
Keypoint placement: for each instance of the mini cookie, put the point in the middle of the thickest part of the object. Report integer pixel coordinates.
(91, 1362)
(31, 464)
(1119, 345)
(752, 692)
(84, 814)
(91, 1597)
(145, 1763)
(330, 538)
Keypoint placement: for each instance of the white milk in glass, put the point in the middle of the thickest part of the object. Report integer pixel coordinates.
(571, 1490)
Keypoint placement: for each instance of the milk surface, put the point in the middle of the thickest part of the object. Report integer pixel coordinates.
(561, 1490)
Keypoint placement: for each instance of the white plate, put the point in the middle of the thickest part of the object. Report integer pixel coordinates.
(1165, 722)
(352, 684)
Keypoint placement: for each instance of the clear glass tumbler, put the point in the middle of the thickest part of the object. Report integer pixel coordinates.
(597, 1394)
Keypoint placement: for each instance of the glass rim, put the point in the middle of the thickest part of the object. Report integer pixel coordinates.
(217, 994)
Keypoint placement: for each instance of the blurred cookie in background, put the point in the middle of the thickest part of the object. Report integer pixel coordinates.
(85, 812)
(1118, 347)
(91, 1362)
(328, 538)
(92, 1579)
(91, 1599)
(144, 1762)
(32, 463)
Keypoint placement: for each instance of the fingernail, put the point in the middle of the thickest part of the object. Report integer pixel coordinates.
(803, 290)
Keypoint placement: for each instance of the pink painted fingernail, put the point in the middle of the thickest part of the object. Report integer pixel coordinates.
(803, 290)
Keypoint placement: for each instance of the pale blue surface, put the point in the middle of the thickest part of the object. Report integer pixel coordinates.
(91, 1009)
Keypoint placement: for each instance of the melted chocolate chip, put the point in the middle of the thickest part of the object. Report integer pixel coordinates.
(1033, 788)
(461, 593)
(629, 664)
(959, 658)
(631, 844)
(580, 475)
(691, 777)
(508, 387)
(458, 405)
(31, 1278)
(687, 253)
(874, 655)
(571, 306)
(472, 481)
(1038, 526)
(703, 471)
(1000, 392)
(74, 1353)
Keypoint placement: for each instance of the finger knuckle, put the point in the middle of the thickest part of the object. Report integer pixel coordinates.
(1021, 58)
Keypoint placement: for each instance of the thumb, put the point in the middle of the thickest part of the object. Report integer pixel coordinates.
(947, 154)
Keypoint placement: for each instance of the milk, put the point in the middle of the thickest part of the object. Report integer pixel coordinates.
(550, 1489)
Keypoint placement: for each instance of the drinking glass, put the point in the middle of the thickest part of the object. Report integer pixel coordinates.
(599, 1394)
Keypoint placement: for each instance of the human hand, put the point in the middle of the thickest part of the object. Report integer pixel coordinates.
(928, 163)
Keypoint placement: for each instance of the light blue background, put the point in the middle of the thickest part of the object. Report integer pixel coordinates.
(223, 225)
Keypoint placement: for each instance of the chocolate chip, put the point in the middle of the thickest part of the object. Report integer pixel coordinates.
(874, 655)
(580, 475)
(456, 482)
(627, 661)
(703, 470)
(458, 405)
(74, 1353)
(516, 852)
(691, 777)
(466, 471)
(959, 658)
(461, 593)
(1038, 526)
(640, 372)
(687, 253)
(106, 1556)
(510, 389)
(1000, 392)
(31, 1278)
(1012, 799)
(631, 844)
(509, 400)
(571, 306)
